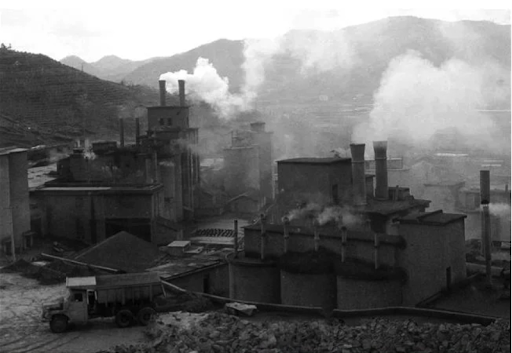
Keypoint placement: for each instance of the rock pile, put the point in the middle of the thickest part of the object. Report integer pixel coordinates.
(217, 332)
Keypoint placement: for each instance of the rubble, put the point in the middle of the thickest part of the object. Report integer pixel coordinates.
(218, 332)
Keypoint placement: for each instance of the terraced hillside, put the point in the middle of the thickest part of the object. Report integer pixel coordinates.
(43, 101)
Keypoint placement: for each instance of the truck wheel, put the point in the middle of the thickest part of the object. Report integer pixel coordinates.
(59, 324)
(124, 318)
(145, 314)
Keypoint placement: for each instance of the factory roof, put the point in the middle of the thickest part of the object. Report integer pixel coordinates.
(9, 150)
(389, 207)
(435, 218)
(328, 160)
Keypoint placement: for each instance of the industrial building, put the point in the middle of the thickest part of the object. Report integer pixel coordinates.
(381, 249)
(144, 189)
(14, 200)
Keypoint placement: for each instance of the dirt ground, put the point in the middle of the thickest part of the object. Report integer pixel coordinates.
(21, 329)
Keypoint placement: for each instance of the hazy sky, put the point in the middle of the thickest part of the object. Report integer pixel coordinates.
(92, 29)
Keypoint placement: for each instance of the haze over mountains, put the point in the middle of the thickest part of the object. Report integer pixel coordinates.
(336, 80)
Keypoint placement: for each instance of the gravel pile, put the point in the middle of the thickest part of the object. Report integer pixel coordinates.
(217, 332)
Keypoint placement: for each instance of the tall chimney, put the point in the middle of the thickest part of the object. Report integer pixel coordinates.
(137, 131)
(236, 237)
(163, 91)
(316, 237)
(181, 84)
(121, 133)
(358, 177)
(381, 170)
(485, 197)
(263, 236)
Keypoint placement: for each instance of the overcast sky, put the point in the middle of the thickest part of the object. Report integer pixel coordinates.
(91, 29)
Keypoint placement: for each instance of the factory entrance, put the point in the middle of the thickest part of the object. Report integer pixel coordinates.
(140, 227)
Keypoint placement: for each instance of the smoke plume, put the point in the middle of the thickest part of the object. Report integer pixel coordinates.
(500, 210)
(417, 99)
(205, 84)
(309, 211)
(340, 215)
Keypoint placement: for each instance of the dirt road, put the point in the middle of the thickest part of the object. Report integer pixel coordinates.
(21, 329)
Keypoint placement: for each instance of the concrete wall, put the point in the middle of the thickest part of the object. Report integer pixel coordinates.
(252, 281)
(364, 294)
(216, 279)
(167, 117)
(14, 196)
(431, 250)
(313, 290)
(358, 245)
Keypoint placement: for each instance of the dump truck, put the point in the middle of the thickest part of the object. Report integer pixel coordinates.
(129, 298)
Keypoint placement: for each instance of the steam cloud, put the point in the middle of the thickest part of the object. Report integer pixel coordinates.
(417, 99)
(499, 209)
(310, 210)
(205, 84)
(339, 215)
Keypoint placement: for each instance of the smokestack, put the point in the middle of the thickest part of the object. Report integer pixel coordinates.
(376, 244)
(236, 238)
(137, 131)
(181, 84)
(286, 223)
(485, 197)
(121, 133)
(343, 243)
(263, 236)
(317, 234)
(381, 170)
(163, 91)
(358, 177)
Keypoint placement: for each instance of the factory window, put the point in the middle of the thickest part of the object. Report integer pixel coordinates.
(334, 191)
(78, 297)
(161, 121)
(169, 122)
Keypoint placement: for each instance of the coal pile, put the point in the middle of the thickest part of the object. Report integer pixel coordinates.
(218, 332)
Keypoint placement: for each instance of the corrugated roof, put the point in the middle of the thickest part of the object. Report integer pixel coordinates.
(436, 218)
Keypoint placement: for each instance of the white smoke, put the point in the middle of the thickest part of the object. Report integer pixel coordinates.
(340, 215)
(500, 210)
(311, 209)
(316, 51)
(206, 85)
(417, 99)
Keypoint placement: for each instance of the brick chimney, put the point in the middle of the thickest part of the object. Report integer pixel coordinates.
(181, 84)
(163, 91)
(381, 170)
(358, 174)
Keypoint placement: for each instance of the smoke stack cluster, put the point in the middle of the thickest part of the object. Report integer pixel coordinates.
(381, 170)
(163, 91)
(181, 84)
(358, 174)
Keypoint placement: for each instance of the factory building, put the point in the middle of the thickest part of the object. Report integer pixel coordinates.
(375, 247)
(144, 189)
(247, 170)
(14, 200)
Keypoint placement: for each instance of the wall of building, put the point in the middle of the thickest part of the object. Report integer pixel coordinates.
(14, 197)
(168, 116)
(355, 294)
(212, 281)
(431, 250)
(254, 281)
(313, 290)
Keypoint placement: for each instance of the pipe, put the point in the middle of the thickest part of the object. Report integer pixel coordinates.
(485, 199)
(316, 231)
(163, 91)
(181, 84)
(121, 133)
(376, 242)
(137, 131)
(358, 174)
(286, 223)
(82, 263)
(263, 236)
(343, 244)
(236, 237)
(381, 170)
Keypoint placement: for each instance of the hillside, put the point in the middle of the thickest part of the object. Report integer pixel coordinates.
(43, 101)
